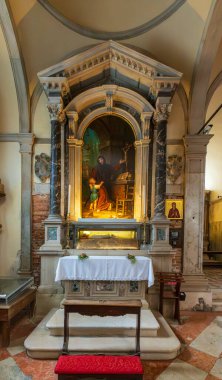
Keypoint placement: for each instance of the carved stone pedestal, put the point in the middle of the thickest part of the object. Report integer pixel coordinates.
(54, 234)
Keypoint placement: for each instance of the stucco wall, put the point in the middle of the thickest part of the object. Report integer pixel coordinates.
(10, 208)
(9, 118)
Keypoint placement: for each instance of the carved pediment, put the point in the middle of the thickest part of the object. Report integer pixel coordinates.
(110, 62)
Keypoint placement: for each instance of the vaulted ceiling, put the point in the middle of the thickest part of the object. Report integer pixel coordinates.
(183, 34)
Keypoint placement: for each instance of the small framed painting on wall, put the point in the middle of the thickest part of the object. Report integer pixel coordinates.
(174, 208)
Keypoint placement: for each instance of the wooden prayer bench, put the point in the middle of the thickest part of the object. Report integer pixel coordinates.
(125, 367)
(170, 284)
(10, 310)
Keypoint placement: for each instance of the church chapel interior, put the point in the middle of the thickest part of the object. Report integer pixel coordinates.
(110, 185)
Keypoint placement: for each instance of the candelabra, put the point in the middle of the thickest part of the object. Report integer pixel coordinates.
(144, 246)
(67, 231)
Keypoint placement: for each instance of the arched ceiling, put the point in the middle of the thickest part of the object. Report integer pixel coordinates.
(110, 16)
(46, 41)
(175, 40)
(112, 20)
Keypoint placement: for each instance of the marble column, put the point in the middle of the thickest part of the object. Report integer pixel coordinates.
(75, 177)
(26, 145)
(53, 224)
(141, 179)
(159, 243)
(55, 177)
(161, 116)
(195, 155)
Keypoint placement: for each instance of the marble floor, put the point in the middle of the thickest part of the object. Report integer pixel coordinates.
(200, 357)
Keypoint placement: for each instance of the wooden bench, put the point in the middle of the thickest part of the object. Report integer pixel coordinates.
(10, 310)
(124, 367)
(170, 284)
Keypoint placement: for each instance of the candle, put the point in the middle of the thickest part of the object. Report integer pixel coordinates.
(144, 200)
(69, 195)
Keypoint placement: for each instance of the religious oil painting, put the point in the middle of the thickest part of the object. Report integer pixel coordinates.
(174, 208)
(108, 167)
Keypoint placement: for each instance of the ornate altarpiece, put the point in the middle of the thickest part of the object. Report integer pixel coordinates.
(109, 80)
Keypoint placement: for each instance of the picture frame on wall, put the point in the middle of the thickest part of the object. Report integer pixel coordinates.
(174, 208)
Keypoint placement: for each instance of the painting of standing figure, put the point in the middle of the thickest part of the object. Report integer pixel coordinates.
(108, 169)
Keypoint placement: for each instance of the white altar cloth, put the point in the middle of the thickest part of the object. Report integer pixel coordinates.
(105, 268)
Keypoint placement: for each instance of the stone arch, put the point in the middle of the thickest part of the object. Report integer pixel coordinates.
(103, 35)
(204, 63)
(102, 111)
(125, 104)
(130, 106)
(213, 87)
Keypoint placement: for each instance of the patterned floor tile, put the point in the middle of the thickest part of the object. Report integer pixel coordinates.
(198, 359)
(38, 369)
(4, 354)
(10, 371)
(14, 350)
(210, 340)
(152, 369)
(211, 377)
(217, 369)
(194, 325)
(179, 370)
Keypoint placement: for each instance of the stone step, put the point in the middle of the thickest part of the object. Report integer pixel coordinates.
(41, 345)
(216, 294)
(217, 305)
(103, 326)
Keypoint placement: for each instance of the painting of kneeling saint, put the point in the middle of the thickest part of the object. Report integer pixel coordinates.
(108, 169)
(174, 208)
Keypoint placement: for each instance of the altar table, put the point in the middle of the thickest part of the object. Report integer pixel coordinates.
(105, 268)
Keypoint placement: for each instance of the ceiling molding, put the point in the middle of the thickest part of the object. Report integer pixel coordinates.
(213, 87)
(184, 103)
(205, 59)
(17, 63)
(122, 35)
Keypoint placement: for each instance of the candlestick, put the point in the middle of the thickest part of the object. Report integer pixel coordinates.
(69, 195)
(144, 200)
(67, 232)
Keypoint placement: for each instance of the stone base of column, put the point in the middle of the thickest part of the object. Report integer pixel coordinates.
(195, 282)
(25, 263)
(198, 293)
(24, 272)
(160, 235)
(54, 234)
(49, 262)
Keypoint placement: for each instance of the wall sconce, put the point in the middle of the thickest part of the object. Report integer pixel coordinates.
(207, 129)
(2, 192)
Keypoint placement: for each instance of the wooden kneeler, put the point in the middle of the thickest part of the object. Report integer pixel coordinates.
(126, 367)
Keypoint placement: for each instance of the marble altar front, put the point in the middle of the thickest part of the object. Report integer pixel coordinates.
(105, 277)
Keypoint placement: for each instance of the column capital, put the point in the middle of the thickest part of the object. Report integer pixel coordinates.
(26, 142)
(162, 111)
(141, 143)
(145, 119)
(146, 116)
(196, 144)
(75, 142)
(73, 118)
(56, 111)
(73, 115)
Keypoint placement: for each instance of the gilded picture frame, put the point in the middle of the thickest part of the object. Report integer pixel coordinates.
(174, 208)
